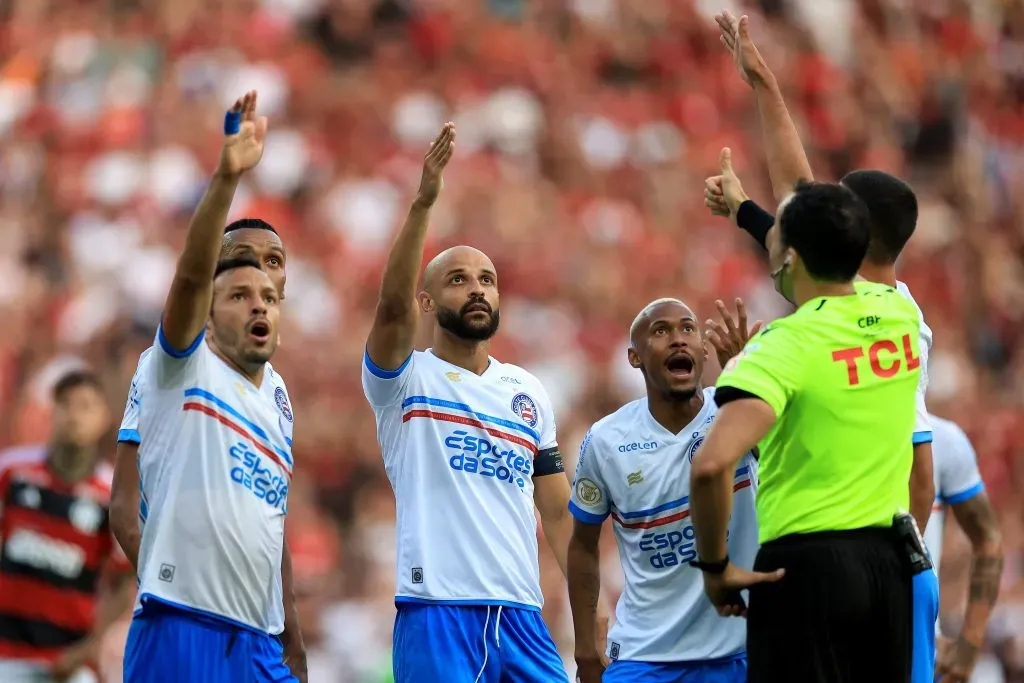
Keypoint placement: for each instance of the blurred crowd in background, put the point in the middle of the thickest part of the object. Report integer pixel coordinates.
(585, 131)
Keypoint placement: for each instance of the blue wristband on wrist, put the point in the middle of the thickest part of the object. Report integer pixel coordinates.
(232, 122)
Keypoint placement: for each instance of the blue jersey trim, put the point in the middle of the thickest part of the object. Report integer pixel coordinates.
(922, 437)
(406, 600)
(195, 613)
(254, 428)
(679, 502)
(380, 372)
(129, 436)
(584, 516)
(483, 417)
(173, 352)
(725, 659)
(965, 495)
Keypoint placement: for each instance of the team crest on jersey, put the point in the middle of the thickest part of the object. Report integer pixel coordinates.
(694, 447)
(282, 403)
(85, 516)
(588, 492)
(525, 408)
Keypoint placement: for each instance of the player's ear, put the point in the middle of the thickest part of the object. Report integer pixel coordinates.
(426, 302)
(634, 359)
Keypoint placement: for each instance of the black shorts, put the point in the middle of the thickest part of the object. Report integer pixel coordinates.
(843, 611)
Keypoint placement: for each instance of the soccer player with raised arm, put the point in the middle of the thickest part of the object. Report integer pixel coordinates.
(893, 210)
(959, 488)
(246, 237)
(469, 447)
(634, 466)
(215, 457)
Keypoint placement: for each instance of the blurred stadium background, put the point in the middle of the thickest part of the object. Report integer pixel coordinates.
(586, 128)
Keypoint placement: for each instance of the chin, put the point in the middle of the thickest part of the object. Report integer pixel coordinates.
(682, 393)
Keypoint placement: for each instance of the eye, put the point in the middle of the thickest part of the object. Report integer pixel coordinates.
(690, 327)
(458, 280)
(270, 299)
(658, 330)
(238, 296)
(487, 280)
(274, 261)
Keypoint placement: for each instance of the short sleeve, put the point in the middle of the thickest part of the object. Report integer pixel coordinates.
(922, 421)
(384, 388)
(548, 428)
(172, 367)
(767, 367)
(129, 430)
(588, 501)
(959, 478)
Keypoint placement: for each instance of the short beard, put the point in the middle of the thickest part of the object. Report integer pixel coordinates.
(455, 322)
(682, 396)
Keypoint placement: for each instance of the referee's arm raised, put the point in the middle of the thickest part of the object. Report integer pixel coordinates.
(394, 325)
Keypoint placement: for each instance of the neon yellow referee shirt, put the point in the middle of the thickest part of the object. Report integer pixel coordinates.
(841, 375)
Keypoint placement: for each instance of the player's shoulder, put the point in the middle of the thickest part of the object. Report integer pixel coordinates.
(615, 427)
(22, 456)
(518, 378)
(946, 430)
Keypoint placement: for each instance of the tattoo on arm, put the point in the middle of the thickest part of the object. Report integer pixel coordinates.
(986, 573)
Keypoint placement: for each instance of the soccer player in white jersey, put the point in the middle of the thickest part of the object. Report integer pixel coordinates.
(959, 488)
(246, 237)
(469, 447)
(215, 457)
(634, 466)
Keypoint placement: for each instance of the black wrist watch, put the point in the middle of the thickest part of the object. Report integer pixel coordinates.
(711, 567)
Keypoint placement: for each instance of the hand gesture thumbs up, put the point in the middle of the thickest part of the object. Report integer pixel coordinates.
(723, 193)
(244, 135)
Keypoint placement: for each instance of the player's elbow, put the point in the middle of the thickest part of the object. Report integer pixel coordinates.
(707, 466)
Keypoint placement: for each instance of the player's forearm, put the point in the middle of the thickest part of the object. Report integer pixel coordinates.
(583, 574)
(558, 532)
(398, 290)
(188, 302)
(787, 161)
(922, 485)
(986, 576)
(710, 508)
(291, 637)
(124, 503)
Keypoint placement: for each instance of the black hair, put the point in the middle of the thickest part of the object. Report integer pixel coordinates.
(73, 380)
(892, 205)
(827, 225)
(249, 224)
(224, 265)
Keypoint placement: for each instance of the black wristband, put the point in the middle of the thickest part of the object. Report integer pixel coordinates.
(711, 567)
(755, 221)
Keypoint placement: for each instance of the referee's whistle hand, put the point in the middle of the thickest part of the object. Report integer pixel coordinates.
(723, 590)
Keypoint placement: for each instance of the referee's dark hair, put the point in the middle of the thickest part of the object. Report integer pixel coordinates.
(827, 225)
(228, 264)
(73, 380)
(249, 224)
(893, 208)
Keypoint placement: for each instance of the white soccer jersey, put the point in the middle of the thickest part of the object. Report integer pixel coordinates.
(215, 466)
(636, 471)
(459, 451)
(129, 429)
(922, 425)
(957, 480)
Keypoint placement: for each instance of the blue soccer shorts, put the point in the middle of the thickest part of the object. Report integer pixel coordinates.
(171, 645)
(436, 643)
(926, 614)
(725, 670)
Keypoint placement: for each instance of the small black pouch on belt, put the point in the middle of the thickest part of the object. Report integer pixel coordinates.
(911, 543)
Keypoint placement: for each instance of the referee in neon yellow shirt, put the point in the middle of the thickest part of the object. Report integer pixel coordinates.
(828, 394)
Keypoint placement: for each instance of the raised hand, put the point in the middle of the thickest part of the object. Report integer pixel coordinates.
(735, 36)
(244, 135)
(724, 193)
(434, 162)
(731, 335)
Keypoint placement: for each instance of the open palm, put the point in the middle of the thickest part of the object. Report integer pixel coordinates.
(244, 149)
(735, 35)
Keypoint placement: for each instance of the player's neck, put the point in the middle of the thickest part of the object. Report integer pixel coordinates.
(805, 290)
(254, 373)
(470, 355)
(71, 463)
(883, 274)
(674, 415)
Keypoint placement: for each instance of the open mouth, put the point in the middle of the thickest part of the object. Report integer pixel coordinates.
(680, 365)
(260, 330)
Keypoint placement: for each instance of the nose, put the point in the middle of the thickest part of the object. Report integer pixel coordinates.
(476, 289)
(259, 307)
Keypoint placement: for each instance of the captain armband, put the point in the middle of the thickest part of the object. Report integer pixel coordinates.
(548, 461)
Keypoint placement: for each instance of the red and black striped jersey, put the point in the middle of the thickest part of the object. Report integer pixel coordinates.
(56, 543)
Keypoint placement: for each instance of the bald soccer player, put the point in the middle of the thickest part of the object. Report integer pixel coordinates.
(469, 447)
(634, 467)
